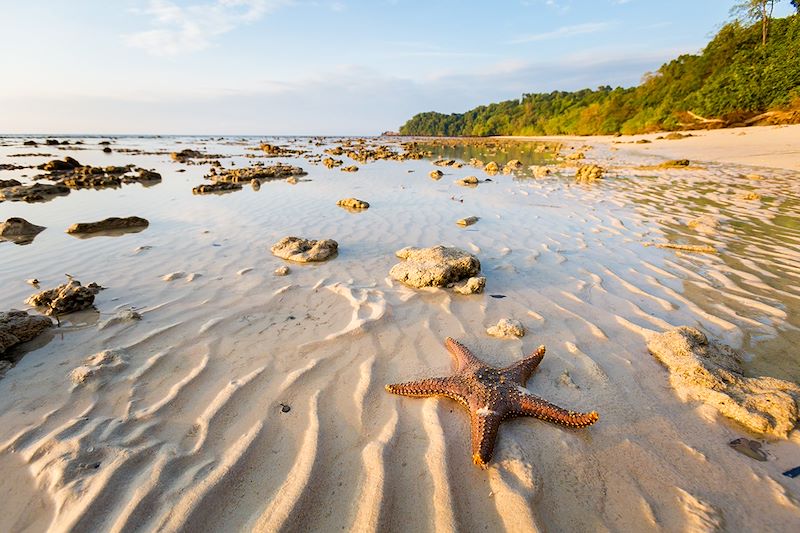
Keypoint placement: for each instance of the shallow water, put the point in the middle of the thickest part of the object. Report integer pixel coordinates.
(191, 422)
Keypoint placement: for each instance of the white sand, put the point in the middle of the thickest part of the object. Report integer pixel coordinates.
(182, 428)
(764, 146)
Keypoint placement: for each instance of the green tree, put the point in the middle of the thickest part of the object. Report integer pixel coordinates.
(756, 10)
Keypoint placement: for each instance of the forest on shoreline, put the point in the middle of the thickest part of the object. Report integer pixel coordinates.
(740, 78)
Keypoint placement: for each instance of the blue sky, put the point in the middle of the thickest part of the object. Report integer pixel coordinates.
(318, 67)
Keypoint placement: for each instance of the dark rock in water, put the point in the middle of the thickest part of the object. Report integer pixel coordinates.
(109, 224)
(19, 230)
(38, 192)
(107, 150)
(30, 143)
(52, 142)
(18, 326)
(219, 187)
(104, 143)
(144, 175)
(305, 250)
(9, 183)
(64, 299)
(257, 172)
(58, 165)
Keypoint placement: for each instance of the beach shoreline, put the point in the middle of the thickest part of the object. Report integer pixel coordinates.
(758, 146)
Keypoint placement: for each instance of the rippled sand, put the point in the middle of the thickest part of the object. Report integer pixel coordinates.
(183, 428)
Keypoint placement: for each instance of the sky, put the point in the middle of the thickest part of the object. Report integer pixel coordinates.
(318, 67)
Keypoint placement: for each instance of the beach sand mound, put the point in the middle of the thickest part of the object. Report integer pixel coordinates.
(438, 266)
(712, 373)
(67, 298)
(18, 326)
(304, 250)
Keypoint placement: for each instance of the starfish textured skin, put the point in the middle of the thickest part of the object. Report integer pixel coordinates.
(492, 395)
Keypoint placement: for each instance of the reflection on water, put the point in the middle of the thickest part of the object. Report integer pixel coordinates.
(748, 294)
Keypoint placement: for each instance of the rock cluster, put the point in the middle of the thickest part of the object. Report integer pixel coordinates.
(218, 187)
(589, 173)
(712, 373)
(439, 266)
(109, 224)
(305, 250)
(255, 172)
(38, 192)
(18, 326)
(67, 298)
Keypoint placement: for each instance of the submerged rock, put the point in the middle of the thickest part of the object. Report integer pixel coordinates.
(473, 285)
(109, 224)
(304, 250)
(64, 299)
(18, 326)
(507, 328)
(219, 187)
(712, 373)
(468, 181)
(19, 230)
(353, 203)
(588, 173)
(438, 266)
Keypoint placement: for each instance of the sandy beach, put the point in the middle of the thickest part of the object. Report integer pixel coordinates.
(765, 146)
(241, 400)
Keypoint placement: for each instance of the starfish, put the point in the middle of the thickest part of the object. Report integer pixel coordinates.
(491, 395)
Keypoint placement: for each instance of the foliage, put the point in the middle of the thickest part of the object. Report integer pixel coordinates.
(735, 77)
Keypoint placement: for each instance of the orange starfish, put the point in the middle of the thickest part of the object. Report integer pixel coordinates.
(491, 395)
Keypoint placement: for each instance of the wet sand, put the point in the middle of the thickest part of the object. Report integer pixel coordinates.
(185, 429)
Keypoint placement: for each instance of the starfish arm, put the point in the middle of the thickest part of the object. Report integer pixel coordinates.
(449, 387)
(485, 424)
(521, 371)
(463, 356)
(529, 405)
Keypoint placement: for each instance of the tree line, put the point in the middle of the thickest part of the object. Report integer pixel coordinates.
(750, 67)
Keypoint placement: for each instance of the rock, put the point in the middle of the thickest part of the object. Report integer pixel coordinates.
(574, 156)
(19, 230)
(30, 143)
(64, 299)
(148, 175)
(353, 203)
(468, 181)
(57, 165)
(467, 221)
(588, 173)
(18, 326)
(644, 141)
(255, 184)
(282, 271)
(444, 162)
(38, 192)
(675, 163)
(436, 174)
(674, 136)
(257, 172)
(473, 285)
(507, 328)
(172, 276)
(351, 168)
(219, 187)
(32, 281)
(107, 150)
(109, 224)
(304, 250)
(438, 266)
(185, 155)
(331, 162)
(9, 183)
(514, 164)
(540, 171)
(491, 167)
(712, 373)
(292, 180)
(749, 196)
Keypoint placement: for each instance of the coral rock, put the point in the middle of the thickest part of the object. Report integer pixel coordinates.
(18, 326)
(305, 250)
(67, 298)
(438, 266)
(507, 328)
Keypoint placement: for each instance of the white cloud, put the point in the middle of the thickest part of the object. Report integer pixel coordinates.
(563, 31)
(178, 29)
